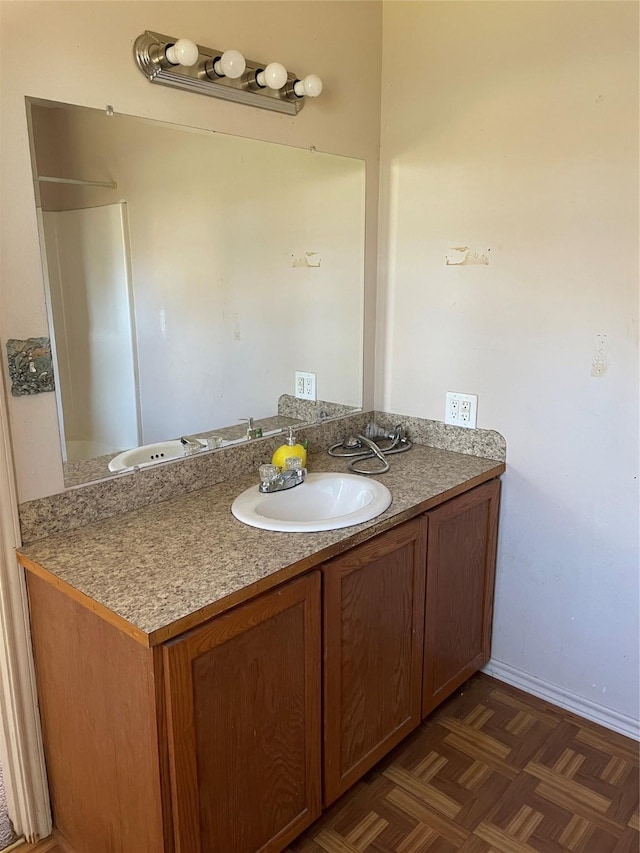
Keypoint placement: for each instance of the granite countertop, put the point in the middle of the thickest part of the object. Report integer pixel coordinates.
(160, 570)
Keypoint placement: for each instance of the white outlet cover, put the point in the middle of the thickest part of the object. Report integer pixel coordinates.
(461, 415)
(305, 387)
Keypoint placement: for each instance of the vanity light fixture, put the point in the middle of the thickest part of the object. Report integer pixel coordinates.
(184, 64)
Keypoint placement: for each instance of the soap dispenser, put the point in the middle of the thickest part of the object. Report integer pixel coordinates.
(289, 449)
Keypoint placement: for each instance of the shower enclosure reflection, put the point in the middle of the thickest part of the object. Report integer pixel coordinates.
(94, 342)
(187, 295)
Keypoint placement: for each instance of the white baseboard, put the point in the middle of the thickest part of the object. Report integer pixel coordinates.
(607, 717)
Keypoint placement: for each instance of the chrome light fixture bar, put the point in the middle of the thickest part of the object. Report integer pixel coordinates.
(182, 64)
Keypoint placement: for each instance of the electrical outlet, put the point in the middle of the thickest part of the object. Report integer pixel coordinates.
(461, 409)
(305, 386)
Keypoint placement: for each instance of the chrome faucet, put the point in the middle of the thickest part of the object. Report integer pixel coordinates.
(273, 480)
(364, 448)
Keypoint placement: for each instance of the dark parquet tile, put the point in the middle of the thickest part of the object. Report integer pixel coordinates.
(493, 770)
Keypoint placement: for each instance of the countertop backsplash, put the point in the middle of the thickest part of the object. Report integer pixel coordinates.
(486, 443)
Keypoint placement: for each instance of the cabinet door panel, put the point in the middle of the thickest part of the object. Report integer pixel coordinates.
(374, 610)
(461, 554)
(244, 724)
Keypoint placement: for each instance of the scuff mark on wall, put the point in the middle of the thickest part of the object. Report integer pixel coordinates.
(309, 260)
(236, 326)
(459, 256)
(600, 364)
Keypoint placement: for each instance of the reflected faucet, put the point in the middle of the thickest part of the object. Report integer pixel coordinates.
(192, 444)
(252, 432)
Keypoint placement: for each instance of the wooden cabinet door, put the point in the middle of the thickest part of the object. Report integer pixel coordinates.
(243, 711)
(461, 559)
(373, 640)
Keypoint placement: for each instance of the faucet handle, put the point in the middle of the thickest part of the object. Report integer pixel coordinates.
(268, 474)
(293, 463)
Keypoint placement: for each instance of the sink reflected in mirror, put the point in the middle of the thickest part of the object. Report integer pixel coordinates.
(149, 454)
(325, 501)
(165, 451)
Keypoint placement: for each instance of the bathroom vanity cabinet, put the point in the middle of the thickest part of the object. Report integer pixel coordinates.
(232, 736)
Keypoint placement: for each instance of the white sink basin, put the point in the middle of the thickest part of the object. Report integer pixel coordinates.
(148, 454)
(322, 502)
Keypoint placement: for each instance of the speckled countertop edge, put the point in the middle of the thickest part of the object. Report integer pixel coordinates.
(158, 565)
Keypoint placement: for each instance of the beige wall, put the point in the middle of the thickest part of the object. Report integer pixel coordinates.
(513, 127)
(81, 52)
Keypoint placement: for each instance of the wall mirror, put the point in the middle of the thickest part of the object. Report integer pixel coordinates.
(189, 274)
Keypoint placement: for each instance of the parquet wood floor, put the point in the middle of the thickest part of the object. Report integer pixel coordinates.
(493, 770)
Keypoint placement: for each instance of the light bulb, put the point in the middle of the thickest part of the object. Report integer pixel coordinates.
(183, 52)
(274, 76)
(231, 64)
(311, 86)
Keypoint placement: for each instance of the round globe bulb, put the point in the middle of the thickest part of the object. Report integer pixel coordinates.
(231, 64)
(183, 52)
(311, 86)
(274, 76)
